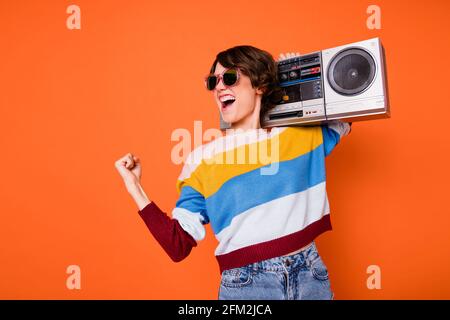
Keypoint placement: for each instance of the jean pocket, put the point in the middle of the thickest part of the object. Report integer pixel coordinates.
(319, 270)
(236, 278)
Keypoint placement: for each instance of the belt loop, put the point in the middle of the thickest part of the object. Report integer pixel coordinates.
(307, 261)
(308, 253)
(310, 250)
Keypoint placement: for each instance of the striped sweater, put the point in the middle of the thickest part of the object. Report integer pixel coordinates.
(263, 193)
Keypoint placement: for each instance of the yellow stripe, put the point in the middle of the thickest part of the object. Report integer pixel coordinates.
(293, 142)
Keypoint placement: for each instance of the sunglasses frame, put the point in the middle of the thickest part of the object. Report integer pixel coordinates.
(220, 77)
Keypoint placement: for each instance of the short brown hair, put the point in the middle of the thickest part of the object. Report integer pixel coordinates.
(259, 66)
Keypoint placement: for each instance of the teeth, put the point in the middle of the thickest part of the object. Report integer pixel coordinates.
(226, 98)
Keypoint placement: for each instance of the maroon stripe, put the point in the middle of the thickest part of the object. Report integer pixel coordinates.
(274, 248)
(168, 232)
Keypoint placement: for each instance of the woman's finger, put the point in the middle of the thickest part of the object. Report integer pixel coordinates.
(129, 161)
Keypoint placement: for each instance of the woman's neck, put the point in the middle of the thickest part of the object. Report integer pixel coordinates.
(246, 125)
(252, 121)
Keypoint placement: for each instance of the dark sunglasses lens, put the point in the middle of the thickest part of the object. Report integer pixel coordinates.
(211, 82)
(230, 77)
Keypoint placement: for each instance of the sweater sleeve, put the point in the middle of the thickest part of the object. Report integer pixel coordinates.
(179, 234)
(176, 242)
(333, 132)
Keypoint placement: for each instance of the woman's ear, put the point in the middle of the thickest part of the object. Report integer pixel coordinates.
(261, 90)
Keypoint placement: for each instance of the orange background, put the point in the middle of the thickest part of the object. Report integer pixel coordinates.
(74, 101)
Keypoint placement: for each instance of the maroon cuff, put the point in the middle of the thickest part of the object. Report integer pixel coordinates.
(168, 232)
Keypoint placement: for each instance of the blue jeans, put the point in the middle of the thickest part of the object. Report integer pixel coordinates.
(301, 276)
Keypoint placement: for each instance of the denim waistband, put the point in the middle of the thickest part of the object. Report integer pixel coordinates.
(283, 263)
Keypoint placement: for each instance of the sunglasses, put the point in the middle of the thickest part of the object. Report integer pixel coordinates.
(229, 78)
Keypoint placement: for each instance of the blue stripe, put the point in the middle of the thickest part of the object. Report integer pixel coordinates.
(250, 189)
(330, 139)
(192, 200)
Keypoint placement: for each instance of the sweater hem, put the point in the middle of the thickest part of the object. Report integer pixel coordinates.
(274, 248)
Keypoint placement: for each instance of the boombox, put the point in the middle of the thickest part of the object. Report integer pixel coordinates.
(346, 82)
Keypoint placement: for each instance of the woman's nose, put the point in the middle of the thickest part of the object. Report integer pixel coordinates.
(220, 85)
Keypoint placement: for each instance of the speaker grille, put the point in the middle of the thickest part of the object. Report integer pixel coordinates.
(351, 71)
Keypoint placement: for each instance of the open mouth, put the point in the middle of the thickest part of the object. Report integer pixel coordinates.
(227, 101)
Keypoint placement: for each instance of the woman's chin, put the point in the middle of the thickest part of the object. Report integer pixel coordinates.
(228, 118)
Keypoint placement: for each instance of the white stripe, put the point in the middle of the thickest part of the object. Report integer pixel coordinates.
(274, 219)
(342, 128)
(191, 222)
(224, 144)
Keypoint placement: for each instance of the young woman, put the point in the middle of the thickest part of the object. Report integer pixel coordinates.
(265, 223)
